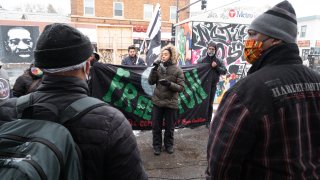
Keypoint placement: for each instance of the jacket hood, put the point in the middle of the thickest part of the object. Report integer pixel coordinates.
(174, 57)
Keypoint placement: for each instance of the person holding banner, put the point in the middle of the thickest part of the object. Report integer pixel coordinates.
(267, 125)
(104, 136)
(132, 58)
(169, 80)
(218, 69)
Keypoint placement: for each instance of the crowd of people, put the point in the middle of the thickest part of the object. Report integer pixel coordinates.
(266, 126)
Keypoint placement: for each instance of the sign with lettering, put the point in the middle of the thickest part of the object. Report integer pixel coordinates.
(139, 29)
(126, 88)
(304, 43)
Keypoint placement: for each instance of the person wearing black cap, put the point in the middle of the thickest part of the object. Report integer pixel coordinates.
(268, 124)
(108, 146)
(96, 58)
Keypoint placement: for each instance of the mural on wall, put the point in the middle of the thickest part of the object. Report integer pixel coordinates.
(230, 45)
(18, 43)
(184, 39)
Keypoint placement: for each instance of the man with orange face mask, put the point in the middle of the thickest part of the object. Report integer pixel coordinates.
(268, 124)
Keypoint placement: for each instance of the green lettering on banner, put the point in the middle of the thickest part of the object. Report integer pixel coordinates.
(196, 91)
(144, 108)
(115, 83)
(129, 93)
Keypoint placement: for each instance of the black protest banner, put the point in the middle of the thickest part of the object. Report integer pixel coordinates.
(126, 88)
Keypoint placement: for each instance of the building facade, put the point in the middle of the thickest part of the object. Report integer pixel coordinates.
(309, 35)
(121, 23)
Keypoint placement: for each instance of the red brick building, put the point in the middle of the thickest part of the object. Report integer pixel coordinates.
(120, 23)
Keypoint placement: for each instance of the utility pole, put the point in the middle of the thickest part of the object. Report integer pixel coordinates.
(177, 15)
(187, 6)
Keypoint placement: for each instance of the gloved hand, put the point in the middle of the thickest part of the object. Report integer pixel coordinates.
(165, 82)
(156, 63)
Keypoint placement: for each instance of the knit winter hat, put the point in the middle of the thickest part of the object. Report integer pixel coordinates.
(61, 45)
(278, 22)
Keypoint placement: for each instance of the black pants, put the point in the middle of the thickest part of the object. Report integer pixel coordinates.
(170, 116)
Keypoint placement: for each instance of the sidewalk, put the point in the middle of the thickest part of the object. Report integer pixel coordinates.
(188, 160)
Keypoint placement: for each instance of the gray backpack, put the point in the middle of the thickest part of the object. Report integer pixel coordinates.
(40, 149)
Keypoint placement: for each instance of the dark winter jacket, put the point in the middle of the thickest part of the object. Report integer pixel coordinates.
(164, 96)
(108, 145)
(267, 125)
(220, 69)
(22, 86)
(132, 61)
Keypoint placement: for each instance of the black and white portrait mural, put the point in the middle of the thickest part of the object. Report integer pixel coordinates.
(17, 43)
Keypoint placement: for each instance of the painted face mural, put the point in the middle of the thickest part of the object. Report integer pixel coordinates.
(18, 43)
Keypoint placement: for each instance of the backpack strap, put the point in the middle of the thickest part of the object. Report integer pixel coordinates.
(22, 103)
(24, 107)
(79, 108)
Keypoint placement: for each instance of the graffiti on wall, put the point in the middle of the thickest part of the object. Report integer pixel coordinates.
(230, 45)
(184, 47)
(229, 39)
(17, 43)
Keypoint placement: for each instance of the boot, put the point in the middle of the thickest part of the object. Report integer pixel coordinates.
(156, 151)
(169, 150)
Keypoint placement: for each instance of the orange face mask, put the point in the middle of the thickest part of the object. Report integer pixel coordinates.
(252, 50)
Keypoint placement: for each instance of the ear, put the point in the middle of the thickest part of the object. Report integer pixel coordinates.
(87, 66)
(276, 41)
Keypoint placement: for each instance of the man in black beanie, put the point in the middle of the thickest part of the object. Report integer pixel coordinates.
(108, 146)
(268, 124)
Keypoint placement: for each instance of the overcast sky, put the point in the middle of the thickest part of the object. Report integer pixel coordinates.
(302, 7)
(62, 6)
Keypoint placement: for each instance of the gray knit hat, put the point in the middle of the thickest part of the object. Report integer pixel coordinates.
(278, 22)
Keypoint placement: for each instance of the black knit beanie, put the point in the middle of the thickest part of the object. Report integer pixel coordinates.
(278, 22)
(61, 45)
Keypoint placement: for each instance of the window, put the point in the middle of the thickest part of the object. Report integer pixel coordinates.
(173, 13)
(118, 9)
(148, 10)
(89, 7)
(303, 31)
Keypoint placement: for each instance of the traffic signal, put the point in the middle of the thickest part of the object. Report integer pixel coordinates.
(203, 4)
(173, 31)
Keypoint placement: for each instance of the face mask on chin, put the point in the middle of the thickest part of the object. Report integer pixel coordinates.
(253, 50)
(85, 72)
(211, 53)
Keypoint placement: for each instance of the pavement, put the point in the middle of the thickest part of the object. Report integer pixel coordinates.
(188, 160)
